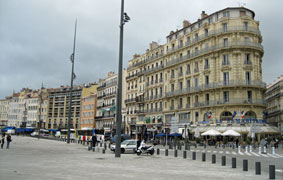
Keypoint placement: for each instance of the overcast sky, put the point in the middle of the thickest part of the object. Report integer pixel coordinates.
(36, 36)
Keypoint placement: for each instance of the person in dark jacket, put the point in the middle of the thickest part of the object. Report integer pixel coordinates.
(9, 139)
(94, 140)
(2, 141)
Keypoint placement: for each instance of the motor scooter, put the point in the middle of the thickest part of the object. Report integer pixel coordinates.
(145, 150)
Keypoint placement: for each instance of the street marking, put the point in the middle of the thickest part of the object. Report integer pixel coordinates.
(220, 152)
(254, 154)
(278, 155)
(209, 151)
(234, 152)
(241, 153)
(197, 150)
(227, 152)
(247, 153)
(279, 170)
(214, 151)
(203, 151)
(272, 155)
(264, 155)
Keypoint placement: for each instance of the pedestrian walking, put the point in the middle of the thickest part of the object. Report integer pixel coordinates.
(9, 139)
(94, 140)
(2, 141)
(83, 140)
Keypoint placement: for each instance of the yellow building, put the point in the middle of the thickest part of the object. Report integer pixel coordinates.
(88, 107)
(208, 73)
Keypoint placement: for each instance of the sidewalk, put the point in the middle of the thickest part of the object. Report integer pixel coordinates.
(30, 158)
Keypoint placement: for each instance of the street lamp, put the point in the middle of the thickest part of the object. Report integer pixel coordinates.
(124, 18)
(39, 116)
(73, 76)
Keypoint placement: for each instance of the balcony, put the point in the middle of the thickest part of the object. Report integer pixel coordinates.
(180, 74)
(130, 100)
(171, 108)
(180, 106)
(131, 76)
(231, 101)
(160, 80)
(188, 72)
(196, 70)
(206, 66)
(215, 85)
(188, 105)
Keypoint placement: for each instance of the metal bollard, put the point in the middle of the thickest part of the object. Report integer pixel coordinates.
(245, 165)
(246, 149)
(239, 149)
(194, 156)
(203, 157)
(195, 145)
(105, 146)
(223, 161)
(271, 171)
(184, 154)
(103, 151)
(166, 152)
(157, 151)
(257, 168)
(234, 162)
(251, 148)
(93, 149)
(264, 149)
(100, 144)
(175, 153)
(213, 158)
(186, 147)
(259, 150)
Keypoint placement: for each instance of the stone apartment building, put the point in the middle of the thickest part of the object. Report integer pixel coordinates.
(4, 110)
(209, 72)
(274, 98)
(58, 107)
(106, 102)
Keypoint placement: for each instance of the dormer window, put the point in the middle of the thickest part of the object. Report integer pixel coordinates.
(226, 14)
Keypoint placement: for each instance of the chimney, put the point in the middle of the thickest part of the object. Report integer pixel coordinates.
(153, 45)
(203, 15)
(186, 23)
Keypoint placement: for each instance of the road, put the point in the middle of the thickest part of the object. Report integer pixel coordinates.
(32, 158)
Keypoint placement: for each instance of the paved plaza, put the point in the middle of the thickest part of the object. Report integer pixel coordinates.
(30, 158)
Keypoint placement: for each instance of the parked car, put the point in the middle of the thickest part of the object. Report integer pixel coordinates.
(123, 138)
(129, 146)
(34, 133)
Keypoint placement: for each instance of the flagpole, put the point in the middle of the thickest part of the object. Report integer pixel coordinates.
(72, 79)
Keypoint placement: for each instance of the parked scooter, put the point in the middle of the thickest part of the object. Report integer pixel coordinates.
(143, 149)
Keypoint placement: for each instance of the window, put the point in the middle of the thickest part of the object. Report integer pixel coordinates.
(245, 26)
(180, 102)
(188, 84)
(196, 82)
(249, 96)
(242, 13)
(180, 71)
(210, 20)
(224, 27)
(188, 102)
(172, 73)
(160, 91)
(226, 14)
(206, 64)
(207, 98)
(196, 67)
(180, 85)
(172, 87)
(206, 32)
(225, 42)
(248, 78)
(246, 40)
(188, 69)
(206, 80)
(188, 53)
(180, 43)
(226, 78)
(225, 59)
(184, 116)
(196, 51)
(247, 59)
(196, 115)
(188, 40)
(196, 36)
(226, 96)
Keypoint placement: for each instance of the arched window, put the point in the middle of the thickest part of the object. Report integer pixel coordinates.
(226, 115)
(250, 115)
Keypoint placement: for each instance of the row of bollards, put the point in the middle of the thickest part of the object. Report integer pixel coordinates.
(223, 162)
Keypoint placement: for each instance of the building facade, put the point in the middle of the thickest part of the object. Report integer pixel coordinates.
(58, 107)
(88, 107)
(208, 72)
(4, 110)
(274, 98)
(106, 102)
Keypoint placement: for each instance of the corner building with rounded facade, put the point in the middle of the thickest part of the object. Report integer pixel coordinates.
(207, 72)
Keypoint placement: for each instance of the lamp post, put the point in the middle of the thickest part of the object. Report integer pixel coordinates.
(39, 116)
(124, 18)
(73, 76)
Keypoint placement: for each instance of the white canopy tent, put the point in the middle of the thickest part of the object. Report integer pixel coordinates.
(211, 132)
(231, 132)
